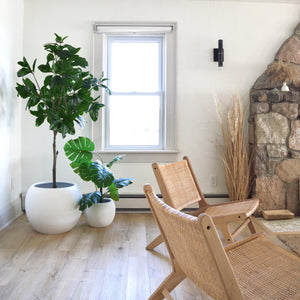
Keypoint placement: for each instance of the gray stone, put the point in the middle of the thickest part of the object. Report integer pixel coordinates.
(277, 151)
(290, 51)
(261, 83)
(294, 140)
(271, 192)
(274, 96)
(295, 154)
(288, 170)
(258, 96)
(291, 96)
(271, 128)
(292, 196)
(290, 110)
(251, 134)
(271, 165)
(258, 108)
(260, 161)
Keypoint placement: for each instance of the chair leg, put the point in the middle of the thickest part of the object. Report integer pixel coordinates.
(251, 226)
(226, 233)
(168, 285)
(157, 241)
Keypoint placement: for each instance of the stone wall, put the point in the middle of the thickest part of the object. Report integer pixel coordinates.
(274, 133)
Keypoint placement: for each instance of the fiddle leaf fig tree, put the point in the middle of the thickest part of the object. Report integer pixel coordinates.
(64, 94)
(80, 152)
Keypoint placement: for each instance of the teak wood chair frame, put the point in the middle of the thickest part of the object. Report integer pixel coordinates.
(253, 268)
(179, 188)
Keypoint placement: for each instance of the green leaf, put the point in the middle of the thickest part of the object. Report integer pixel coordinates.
(32, 101)
(117, 158)
(123, 182)
(40, 120)
(50, 47)
(80, 61)
(30, 85)
(72, 49)
(66, 127)
(44, 68)
(79, 150)
(24, 63)
(50, 57)
(55, 125)
(94, 110)
(59, 39)
(89, 199)
(48, 80)
(75, 167)
(113, 192)
(33, 66)
(23, 91)
(23, 72)
(101, 175)
(84, 171)
(62, 53)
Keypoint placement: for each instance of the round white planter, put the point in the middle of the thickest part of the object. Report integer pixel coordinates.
(100, 214)
(53, 210)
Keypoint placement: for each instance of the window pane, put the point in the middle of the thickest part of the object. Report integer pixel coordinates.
(134, 120)
(135, 66)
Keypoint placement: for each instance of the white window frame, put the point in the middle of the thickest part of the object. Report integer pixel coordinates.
(167, 151)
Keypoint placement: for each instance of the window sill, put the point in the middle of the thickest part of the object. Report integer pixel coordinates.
(141, 156)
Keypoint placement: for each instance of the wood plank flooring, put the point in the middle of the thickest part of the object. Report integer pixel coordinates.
(86, 263)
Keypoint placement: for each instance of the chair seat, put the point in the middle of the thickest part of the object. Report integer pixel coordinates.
(243, 208)
(265, 271)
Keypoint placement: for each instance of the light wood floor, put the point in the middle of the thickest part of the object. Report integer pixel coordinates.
(86, 263)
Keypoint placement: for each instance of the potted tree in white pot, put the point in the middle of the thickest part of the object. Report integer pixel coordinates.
(64, 95)
(98, 206)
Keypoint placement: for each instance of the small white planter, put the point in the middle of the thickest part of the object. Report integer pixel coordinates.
(100, 214)
(53, 210)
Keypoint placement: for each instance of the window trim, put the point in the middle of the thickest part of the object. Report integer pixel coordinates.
(170, 152)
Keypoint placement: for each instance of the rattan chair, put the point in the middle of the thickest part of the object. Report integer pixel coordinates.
(253, 268)
(179, 188)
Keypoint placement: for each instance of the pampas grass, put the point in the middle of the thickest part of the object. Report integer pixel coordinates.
(234, 152)
(279, 72)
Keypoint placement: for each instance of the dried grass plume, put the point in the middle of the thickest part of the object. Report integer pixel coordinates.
(279, 72)
(234, 151)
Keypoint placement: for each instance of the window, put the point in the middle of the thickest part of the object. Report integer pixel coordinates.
(139, 61)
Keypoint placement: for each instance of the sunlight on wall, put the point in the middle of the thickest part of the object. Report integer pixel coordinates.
(10, 126)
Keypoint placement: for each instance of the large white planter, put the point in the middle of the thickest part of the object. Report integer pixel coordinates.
(53, 210)
(100, 214)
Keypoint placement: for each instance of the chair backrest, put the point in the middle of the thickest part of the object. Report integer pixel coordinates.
(178, 184)
(186, 239)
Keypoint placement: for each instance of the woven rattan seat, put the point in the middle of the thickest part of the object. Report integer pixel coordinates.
(253, 268)
(180, 189)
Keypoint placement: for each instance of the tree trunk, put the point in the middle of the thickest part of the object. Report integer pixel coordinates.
(55, 153)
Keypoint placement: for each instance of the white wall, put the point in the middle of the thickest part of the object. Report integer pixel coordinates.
(11, 30)
(252, 33)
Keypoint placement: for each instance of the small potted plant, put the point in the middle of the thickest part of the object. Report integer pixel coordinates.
(98, 206)
(61, 98)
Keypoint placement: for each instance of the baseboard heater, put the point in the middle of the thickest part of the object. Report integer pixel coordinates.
(138, 202)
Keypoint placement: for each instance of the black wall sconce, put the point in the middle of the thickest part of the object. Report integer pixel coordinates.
(219, 54)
